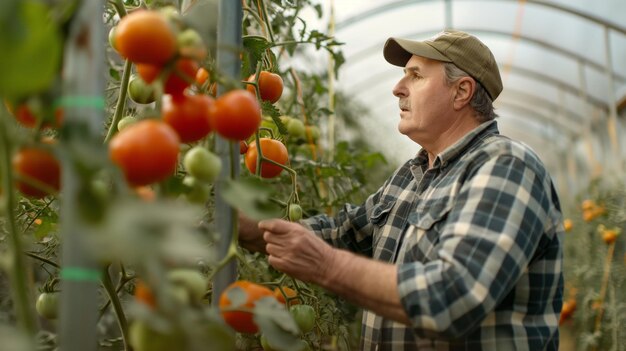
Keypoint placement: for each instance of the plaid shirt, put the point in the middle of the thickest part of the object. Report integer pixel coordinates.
(477, 239)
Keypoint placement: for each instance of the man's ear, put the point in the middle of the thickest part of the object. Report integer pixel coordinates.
(465, 88)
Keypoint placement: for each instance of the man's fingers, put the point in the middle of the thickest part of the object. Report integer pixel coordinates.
(277, 226)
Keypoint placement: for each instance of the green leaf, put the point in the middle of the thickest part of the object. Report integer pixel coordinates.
(277, 324)
(270, 110)
(30, 50)
(115, 74)
(250, 196)
(255, 46)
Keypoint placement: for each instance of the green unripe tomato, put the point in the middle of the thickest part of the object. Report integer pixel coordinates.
(140, 91)
(285, 119)
(125, 122)
(192, 280)
(296, 128)
(198, 192)
(112, 38)
(47, 305)
(304, 315)
(295, 212)
(202, 164)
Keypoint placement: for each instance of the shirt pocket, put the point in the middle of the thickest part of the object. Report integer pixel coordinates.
(425, 229)
(380, 213)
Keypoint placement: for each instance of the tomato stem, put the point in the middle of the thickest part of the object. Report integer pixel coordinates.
(122, 281)
(117, 306)
(42, 259)
(121, 101)
(21, 292)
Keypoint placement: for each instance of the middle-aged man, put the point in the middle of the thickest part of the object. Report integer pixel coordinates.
(461, 248)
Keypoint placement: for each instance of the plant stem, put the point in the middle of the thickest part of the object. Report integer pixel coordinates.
(604, 286)
(21, 291)
(121, 102)
(117, 306)
(42, 259)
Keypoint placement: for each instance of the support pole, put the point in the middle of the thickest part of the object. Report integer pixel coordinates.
(229, 42)
(83, 105)
(612, 123)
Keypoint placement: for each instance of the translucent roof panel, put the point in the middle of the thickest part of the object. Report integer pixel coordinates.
(563, 63)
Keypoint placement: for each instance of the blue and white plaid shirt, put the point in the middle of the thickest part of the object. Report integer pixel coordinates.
(478, 243)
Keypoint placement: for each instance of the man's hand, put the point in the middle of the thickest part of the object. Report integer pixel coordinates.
(296, 251)
(250, 236)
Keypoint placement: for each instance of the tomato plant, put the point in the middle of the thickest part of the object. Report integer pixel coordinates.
(145, 36)
(236, 115)
(146, 151)
(271, 149)
(188, 115)
(47, 305)
(202, 164)
(270, 86)
(39, 165)
(242, 321)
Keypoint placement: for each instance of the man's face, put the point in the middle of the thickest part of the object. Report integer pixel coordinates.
(425, 100)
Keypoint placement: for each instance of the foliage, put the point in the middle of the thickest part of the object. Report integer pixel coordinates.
(595, 268)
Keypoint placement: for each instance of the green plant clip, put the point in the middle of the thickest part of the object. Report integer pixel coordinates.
(80, 274)
(96, 102)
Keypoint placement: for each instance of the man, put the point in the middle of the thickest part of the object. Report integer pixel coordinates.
(460, 249)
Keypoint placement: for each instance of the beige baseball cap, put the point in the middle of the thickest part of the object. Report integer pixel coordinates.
(463, 49)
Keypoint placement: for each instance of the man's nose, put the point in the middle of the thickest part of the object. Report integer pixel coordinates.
(399, 90)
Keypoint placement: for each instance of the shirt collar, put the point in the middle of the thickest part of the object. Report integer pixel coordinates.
(454, 150)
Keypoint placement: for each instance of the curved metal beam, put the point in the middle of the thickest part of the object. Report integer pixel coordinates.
(543, 44)
(402, 3)
(537, 100)
(383, 76)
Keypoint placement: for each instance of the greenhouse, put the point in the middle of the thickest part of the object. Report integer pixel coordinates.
(312, 175)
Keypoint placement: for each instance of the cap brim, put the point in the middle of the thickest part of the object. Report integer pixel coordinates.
(398, 51)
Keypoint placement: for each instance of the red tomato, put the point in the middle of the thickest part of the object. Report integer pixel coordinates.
(145, 36)
(37, 164)
(271, 149)
(181, 76)
(189, 115)
(146, 151)
(25, 116)
(270, 86)
(241, 321)
(236, 115)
